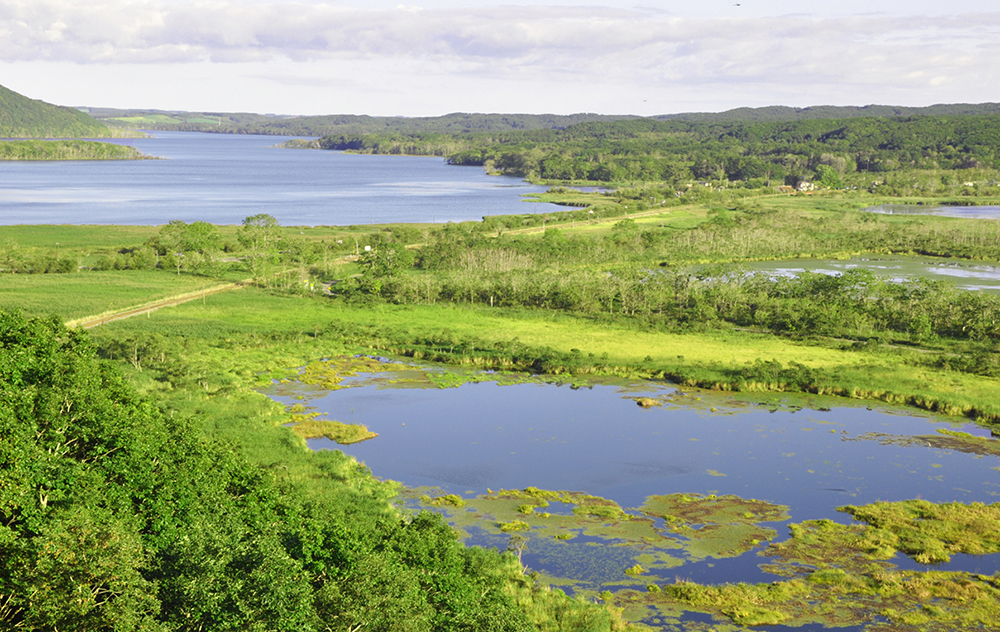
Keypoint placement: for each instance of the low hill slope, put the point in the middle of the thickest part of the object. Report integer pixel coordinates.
(21, 117)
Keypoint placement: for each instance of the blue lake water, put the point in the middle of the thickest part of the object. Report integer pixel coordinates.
(222, 178)
(967, 212)
(962, 273)
(597, 440)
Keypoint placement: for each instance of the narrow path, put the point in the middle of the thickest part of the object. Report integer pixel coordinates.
(89, 322)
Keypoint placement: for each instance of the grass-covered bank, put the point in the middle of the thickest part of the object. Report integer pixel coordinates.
(67, 150)
(274, 332)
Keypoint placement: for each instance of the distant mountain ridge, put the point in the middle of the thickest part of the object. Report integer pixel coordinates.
(22, 117)
(326, 125)
(461, 122)
(781, 113)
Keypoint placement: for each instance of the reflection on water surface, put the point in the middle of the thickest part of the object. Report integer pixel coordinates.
(809, 456)
(968, 212)
(964, 274)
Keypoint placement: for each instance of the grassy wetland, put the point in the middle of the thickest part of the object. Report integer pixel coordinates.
(622, 289)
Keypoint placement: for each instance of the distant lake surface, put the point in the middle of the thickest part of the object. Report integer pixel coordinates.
(223, 178)
(964, 274)
(967, 212)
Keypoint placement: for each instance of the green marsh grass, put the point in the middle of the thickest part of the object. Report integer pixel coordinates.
(289, 331)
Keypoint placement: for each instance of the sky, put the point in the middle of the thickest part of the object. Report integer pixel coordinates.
(432, 57)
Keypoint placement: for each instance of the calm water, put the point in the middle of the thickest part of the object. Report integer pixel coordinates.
(968, 212)
(964, 274)
(599, 441)
(221, 178)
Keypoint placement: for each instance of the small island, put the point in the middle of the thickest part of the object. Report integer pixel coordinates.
(67, 150)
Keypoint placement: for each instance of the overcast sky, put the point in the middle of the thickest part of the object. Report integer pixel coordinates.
(431, 57)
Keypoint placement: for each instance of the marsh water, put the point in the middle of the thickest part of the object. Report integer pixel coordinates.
(964, 274)
(223, 178)
(811, 455)
(967, 212)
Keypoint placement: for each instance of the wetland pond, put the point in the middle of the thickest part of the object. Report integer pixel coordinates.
(963, 273)
(967, 212)
(606, 488)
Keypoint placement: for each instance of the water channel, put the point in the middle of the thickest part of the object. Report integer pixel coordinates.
(811, 455)
(223, 178)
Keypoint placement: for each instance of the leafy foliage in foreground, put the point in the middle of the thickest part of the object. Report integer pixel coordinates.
(116, 516)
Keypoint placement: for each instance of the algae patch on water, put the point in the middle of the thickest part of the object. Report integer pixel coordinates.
(344, 434)
(308, 426)
(693, 528)
(838, 575)
(889, 600)
(944, 440)
(930, 532)
(330, 374)
(716, 526)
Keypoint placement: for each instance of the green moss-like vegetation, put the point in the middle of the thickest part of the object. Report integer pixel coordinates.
(697, 527)
(890, 600)
(330, 374)
(716, 526)
(930, 532)
(839, 576)
(308, 427)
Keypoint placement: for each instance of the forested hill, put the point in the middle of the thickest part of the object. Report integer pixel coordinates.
(244, 123)
(21, 117)
(460, 122)
(775, 113)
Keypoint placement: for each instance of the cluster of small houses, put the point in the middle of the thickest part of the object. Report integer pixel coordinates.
(801, 185)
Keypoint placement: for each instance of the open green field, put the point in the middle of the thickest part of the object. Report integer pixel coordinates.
(91, 293)
(312, 327)
(85, 237)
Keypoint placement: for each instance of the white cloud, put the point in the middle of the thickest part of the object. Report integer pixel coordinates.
(576, 49)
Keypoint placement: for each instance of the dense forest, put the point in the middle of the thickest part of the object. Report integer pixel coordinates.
(21, 117)
(829, 151)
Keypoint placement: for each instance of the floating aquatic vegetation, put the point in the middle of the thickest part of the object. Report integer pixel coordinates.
(309, 427)
(839, 576)
(887, 600)
(716, 526)
(944, 440)
(694, 527)
(330, 374)
(930, 532)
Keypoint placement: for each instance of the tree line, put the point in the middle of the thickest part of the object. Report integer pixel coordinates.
(676, 151)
